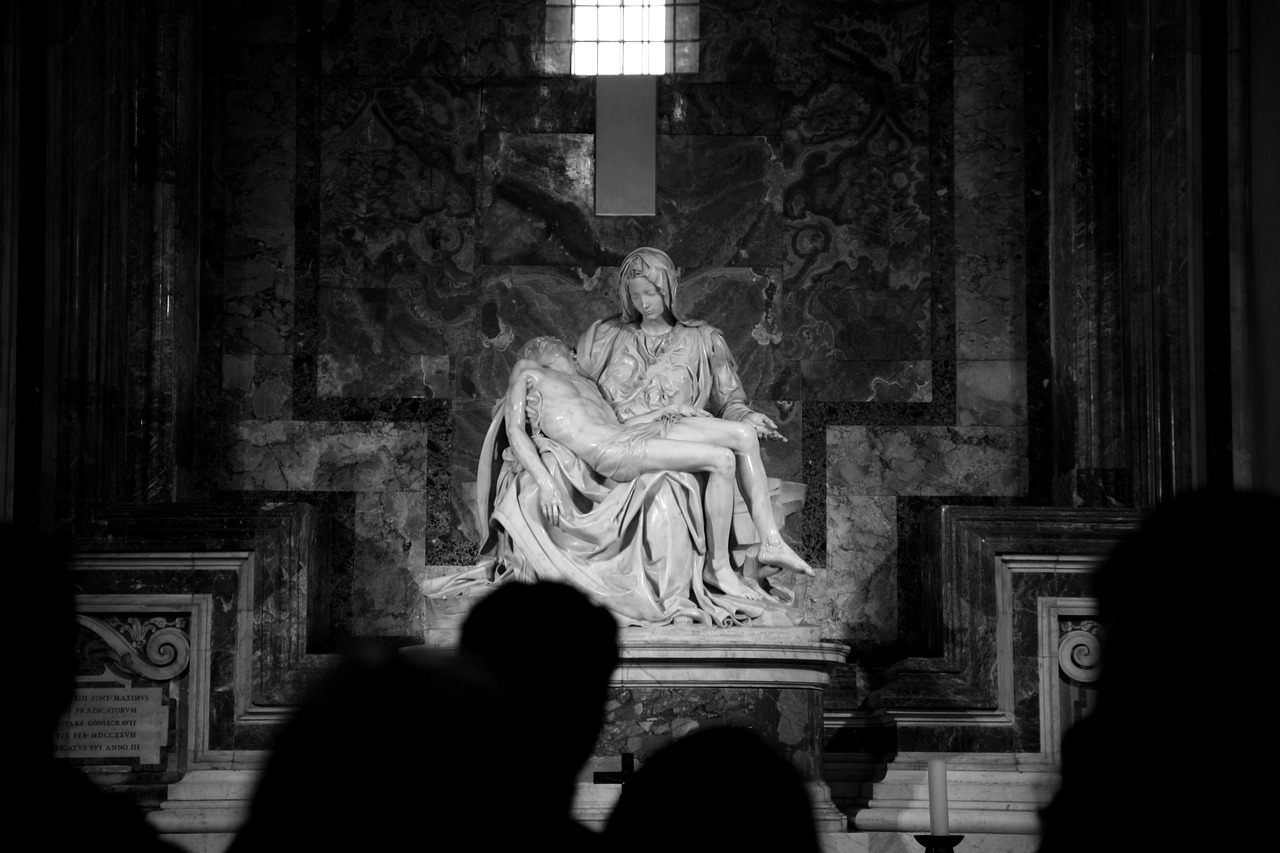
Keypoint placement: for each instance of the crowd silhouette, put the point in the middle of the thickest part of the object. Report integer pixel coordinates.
(87, 816)
(1183, 609)
(721, 786)
(481, 748)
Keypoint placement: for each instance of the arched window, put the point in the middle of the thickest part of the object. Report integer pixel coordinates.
(608, 37)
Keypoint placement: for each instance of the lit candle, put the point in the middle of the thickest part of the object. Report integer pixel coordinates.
(938, 797)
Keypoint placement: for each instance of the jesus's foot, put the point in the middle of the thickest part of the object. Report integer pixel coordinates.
(780, 554)
(731, 584)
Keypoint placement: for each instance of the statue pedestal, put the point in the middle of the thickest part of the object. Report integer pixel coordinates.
(676, 679)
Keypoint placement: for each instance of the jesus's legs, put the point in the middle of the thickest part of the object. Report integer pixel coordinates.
(665, 454)
(741, 439)
(722, 449)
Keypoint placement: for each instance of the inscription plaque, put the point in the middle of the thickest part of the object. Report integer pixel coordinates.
(114, 722)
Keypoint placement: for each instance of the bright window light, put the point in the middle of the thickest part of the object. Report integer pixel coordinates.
(589, 37)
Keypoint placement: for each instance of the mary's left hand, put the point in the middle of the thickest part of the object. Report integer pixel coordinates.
(765, 427)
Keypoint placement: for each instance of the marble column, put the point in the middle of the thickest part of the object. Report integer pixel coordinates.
(164, 249)
(1135, 173)
(1084, 256)
(76, 337)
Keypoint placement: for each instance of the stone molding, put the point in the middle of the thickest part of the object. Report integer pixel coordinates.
(679, 656)
(99, 575)
(974, 554)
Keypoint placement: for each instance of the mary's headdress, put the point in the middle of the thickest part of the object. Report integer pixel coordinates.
(667, 280)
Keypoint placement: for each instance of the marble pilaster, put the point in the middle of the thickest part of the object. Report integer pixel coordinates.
(1084, 255)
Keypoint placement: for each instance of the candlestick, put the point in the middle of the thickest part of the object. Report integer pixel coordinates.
(939, 843)
(938, 797)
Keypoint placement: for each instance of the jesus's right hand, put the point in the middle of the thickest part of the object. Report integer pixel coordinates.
(549, 500)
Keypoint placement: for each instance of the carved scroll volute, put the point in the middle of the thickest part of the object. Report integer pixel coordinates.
(151, 649)
(1078, 654)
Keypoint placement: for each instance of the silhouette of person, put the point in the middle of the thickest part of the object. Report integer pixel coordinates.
(553, 650)
(1174, 619)
(385, 751)
(693, 795)
(42, 584)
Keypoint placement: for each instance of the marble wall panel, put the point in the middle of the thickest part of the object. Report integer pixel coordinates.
(902, 142)
(259, 387)
(519, 303)
(940, 85)
(927, 460)
(258, 157)
(433, 38)
(719, 202)
(396, 375)
(826, 110)
(837, 217)
(718, 108)
(322, 456)
(835, 320)
(988, 27)
(390, 563)
(989, 209)
(737, 40)
(991, 393)
(339, 56)
(832, 39)
(398, 167)
(743, 304)
(420, 318)
(544, 105)
(251, 22)
(1026, 704)
(856, 596)
(536, 199)
(867, 381)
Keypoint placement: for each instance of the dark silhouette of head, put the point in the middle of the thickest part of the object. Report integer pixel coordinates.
(714, 774)
(41, 581)
(554, 650)
(385, 749)
(1179, 610)
(43, 584)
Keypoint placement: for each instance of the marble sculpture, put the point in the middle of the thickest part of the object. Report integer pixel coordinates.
(614, 470)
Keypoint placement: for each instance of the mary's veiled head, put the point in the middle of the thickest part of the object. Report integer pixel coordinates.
(656, 266)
